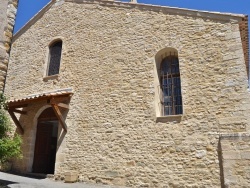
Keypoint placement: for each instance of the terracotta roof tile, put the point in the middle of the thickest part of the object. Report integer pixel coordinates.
(67, 91)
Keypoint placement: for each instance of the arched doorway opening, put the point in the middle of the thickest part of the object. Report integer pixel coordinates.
(46, 142)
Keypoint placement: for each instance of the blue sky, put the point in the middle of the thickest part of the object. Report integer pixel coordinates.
(28, 8)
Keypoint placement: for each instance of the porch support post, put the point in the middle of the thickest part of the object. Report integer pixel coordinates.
(59, 116)
(16, 121)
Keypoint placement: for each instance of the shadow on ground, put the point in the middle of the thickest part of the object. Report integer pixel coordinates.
(33, 176)
(27, 175)
(5, 183)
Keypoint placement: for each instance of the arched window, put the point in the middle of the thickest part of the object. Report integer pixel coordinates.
(170, 85)
(55, 51)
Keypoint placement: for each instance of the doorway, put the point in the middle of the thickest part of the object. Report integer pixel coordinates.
(46, 142)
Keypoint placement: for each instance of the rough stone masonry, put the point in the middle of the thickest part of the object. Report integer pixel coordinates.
(8, 9)
(108, 59)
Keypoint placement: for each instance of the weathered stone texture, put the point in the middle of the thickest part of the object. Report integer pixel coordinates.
(236, 159)
(8, 10)
(108, 59)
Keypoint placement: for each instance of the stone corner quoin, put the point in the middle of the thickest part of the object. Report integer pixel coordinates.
(8, 9)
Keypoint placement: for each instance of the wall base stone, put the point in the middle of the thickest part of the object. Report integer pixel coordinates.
(236, 159)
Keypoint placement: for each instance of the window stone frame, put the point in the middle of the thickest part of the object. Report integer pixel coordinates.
(160, 55)
(46, 77)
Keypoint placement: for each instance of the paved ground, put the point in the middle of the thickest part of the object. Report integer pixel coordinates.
(16, 181)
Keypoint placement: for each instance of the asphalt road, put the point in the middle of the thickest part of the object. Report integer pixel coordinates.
(16, 181)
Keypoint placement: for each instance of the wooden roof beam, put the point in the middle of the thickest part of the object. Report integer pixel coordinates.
(62, 105)
(59, 99)
(18, 111)
(17, 105)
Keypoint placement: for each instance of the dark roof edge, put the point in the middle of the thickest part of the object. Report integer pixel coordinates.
(172, 10)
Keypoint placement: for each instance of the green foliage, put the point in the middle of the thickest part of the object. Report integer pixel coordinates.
(10, 146)
(4, 121)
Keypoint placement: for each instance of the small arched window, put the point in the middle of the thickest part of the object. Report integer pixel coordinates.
(171, 85)
(55, 51)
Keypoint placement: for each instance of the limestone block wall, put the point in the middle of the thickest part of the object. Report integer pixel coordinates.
(236, 159)
(108, 59)
(8, 10)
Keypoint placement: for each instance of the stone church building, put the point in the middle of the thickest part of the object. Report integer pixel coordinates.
(132, 94)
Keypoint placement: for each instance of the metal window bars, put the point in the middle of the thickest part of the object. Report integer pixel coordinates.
(171, 98)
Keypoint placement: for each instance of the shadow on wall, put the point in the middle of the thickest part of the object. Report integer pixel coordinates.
(219, 149)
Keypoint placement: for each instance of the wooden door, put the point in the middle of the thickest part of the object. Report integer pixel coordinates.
(45, 148)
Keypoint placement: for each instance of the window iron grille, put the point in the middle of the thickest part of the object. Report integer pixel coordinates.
(171, 86)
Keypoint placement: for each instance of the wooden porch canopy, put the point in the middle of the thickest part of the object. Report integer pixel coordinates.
(58, 100)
